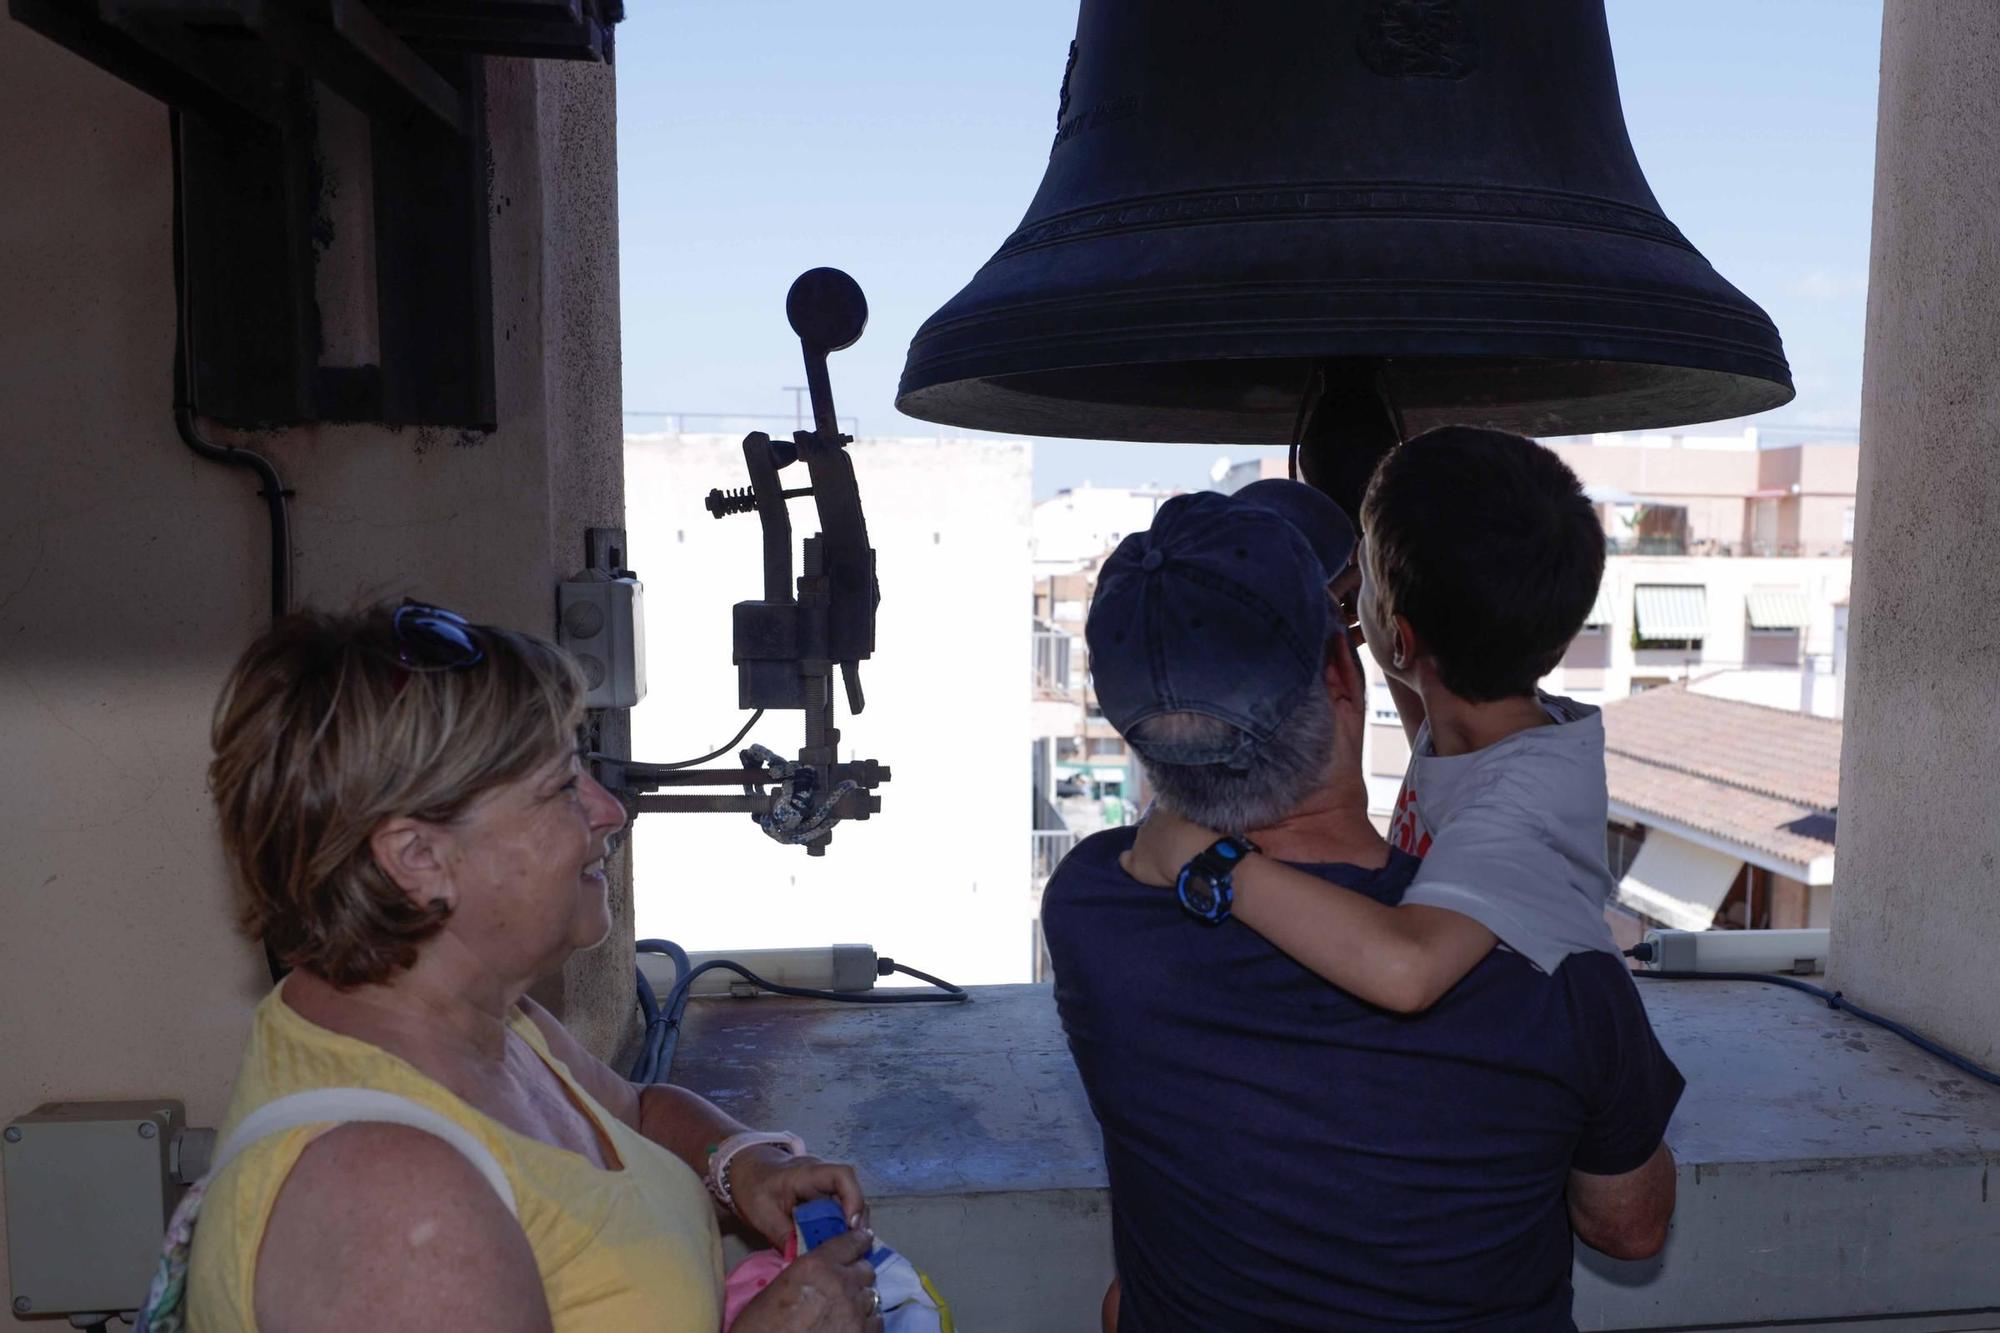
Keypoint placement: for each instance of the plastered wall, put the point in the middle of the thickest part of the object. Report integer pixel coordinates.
(131, 572)
(1918, 914)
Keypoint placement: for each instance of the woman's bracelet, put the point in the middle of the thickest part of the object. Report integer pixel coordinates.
(722, 1153)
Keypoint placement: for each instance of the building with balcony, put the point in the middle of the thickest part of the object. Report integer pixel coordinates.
(1687, 598)
(1746, 494)
(1722, 813)
(1075, 527)
(1742, 495)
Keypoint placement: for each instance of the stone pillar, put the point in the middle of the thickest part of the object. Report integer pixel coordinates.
(1916, 913)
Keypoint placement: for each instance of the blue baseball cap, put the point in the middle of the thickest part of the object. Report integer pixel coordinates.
(1219, 609)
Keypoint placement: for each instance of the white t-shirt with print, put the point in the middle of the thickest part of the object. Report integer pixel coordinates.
(1513, 835)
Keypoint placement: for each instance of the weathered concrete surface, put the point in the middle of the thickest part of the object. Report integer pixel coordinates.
(131, 572)
(1828, 1171)
(971, 1132)
(1917, 916)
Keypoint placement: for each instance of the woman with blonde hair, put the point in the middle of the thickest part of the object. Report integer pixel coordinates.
(409, 816)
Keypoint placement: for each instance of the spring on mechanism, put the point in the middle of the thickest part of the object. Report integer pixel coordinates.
(723, 503)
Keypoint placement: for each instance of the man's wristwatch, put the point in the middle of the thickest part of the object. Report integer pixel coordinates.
(1204, 886)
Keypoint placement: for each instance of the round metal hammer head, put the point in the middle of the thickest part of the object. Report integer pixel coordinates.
(827, 309)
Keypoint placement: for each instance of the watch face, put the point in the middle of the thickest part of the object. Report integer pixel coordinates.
(1198, 894)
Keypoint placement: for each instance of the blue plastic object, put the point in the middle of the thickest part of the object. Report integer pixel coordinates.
(818, 1222)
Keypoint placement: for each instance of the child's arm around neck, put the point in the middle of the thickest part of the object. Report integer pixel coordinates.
(1399, 958)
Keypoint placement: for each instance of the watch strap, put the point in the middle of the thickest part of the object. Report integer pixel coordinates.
(1221, 857)
(1216, 864)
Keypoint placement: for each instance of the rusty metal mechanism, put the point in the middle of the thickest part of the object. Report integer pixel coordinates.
(787, 647)
(1412, 212)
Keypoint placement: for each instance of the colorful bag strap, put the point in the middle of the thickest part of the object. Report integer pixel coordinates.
(166, 1301)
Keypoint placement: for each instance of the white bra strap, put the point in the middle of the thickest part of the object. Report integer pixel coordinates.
(334, 1106)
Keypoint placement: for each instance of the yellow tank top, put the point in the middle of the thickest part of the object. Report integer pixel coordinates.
(631, 1249)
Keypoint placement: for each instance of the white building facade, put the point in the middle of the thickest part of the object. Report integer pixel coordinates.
(940, 878)
(1074, 529)
(1763, 631)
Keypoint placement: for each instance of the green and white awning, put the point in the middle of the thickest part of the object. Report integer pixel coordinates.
(1600, 610)
(1777, 610)
(1671, 611)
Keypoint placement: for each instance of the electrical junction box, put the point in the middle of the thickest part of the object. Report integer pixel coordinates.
(600, 620)
(89, 1191)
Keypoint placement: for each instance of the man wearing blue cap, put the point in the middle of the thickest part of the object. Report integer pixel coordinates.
(1281, 1154)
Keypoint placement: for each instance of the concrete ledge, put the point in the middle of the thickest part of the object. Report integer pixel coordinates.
(1828, 1171)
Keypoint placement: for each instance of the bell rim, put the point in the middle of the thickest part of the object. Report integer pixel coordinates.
(1658, 395)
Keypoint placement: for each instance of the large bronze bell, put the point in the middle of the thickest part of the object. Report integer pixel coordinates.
(1412, 211)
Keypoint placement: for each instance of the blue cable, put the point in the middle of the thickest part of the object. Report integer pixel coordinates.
(647, 1068)
(663, 1019)
(1835, 1000)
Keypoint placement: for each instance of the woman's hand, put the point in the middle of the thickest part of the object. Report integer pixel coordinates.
(766, 1183)
(1165, 844)
(830, 1290)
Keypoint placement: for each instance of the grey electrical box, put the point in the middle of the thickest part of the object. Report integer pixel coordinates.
(89, 1191)
(600, 619)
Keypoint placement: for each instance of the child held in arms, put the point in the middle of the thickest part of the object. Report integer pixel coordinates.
(1479, 561)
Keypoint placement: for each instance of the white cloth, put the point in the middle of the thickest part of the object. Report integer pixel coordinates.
(1513, 835)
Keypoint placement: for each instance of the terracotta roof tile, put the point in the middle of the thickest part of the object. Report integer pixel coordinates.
(1770, 750)
(1765, 778)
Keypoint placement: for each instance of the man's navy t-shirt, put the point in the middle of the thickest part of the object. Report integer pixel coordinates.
(1285, 1156)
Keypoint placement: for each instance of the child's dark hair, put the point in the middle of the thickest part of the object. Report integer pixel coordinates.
(1486, 543)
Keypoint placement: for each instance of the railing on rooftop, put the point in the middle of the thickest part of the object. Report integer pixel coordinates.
(1647, 546)
(1050, 846)
(1050, 656)
(1699, 546)
(640, 421)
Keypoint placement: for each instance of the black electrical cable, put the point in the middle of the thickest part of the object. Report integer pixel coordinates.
(656, 1055)
(727, 746)
(945, 993)
(1834, 1000)
(274, 492)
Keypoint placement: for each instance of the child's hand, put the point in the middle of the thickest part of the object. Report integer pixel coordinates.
(1166, 842)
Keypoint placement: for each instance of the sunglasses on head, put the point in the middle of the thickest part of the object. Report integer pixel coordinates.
(430, 638)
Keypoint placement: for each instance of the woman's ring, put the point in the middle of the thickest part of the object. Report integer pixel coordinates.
(875, 1300)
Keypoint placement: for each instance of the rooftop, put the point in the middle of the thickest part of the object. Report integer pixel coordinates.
(1763, 778)
(1827, 1171)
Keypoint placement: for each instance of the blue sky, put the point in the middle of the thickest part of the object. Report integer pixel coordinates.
(902, 139)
